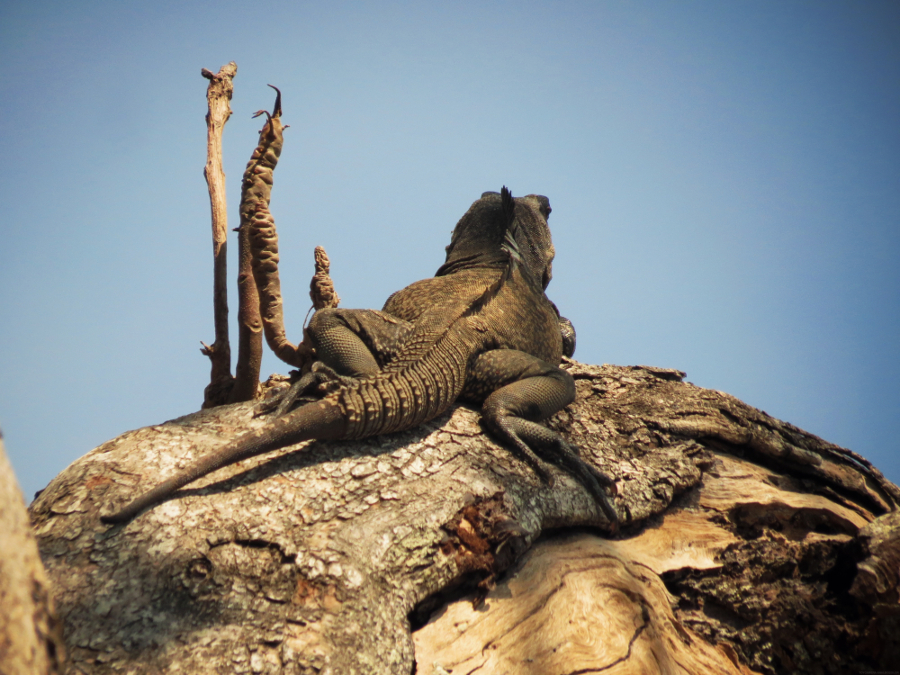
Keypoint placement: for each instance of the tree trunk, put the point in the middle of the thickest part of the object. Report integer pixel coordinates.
(747, 546)
(30, 634)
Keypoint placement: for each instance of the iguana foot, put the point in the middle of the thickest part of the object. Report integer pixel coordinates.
(530, 440)
(525, 389)
(318, 382)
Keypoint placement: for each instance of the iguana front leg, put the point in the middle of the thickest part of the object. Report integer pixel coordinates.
(566, 332)
(525, 389)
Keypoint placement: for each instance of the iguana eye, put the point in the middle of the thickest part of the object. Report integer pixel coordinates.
(545, 206)
(548, 275)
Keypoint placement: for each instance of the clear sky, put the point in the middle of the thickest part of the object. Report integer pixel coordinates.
(724, 176)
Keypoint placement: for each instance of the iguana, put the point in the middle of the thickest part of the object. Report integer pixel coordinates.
(482, 330)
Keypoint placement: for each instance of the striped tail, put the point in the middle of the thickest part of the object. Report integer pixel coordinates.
(429, 373)
(404, 397)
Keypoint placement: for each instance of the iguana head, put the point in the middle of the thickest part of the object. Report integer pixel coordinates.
(478, 237)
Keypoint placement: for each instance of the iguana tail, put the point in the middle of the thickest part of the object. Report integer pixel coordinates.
(315, 420)
(424, 379)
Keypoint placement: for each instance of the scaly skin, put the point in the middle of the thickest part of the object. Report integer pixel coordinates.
(482, 329)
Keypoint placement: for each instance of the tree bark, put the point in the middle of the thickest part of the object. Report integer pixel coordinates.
(30, 634)
(256, 193)
(249, 360)
(263, 239)
(218, 96)
(747, 545)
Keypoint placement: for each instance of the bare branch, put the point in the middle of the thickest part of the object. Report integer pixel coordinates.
(264, 245)
(218, 96)
(256, 192)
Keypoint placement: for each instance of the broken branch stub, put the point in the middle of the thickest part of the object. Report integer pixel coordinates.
(321, 288)
(218, 96)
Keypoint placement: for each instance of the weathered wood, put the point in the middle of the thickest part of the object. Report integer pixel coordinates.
(321, 287)
(218, 96)
(263, 239)
(877, 586)
(324, 557)
(31, 641)
(256, 194)
(577, 604)
(584, 604)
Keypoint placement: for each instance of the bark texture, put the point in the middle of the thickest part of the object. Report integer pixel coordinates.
(256, 194)
(218, 96)
(748, 545)
(30, 634)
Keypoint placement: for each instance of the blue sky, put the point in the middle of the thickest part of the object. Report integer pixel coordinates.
(725, 183)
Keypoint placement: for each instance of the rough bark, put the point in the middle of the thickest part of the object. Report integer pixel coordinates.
(30, 634)
(748, 545)
(249, 360)
(218, 96)
(256, 193)
(264, 243)
(321, 287)
(259, 224)
(259, 253)
(263, 239)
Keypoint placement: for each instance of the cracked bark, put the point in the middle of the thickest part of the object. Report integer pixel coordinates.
(747, 545)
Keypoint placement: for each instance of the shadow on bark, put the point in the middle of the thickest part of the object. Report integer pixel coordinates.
(778, 548)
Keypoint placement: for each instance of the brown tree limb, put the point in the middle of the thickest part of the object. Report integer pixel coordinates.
(218, 96)
(328, 556)
(264, 246)
(246, 380)
(264, 242)
(263, 239)
(256, 193)
(31, 641)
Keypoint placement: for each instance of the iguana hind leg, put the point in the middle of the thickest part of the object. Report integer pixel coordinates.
(357, 342)
(524, 390)
(349, 343)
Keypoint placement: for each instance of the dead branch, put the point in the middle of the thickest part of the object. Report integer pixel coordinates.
(246, 381)
(218, 95)
(256, 192)
(264, 246)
